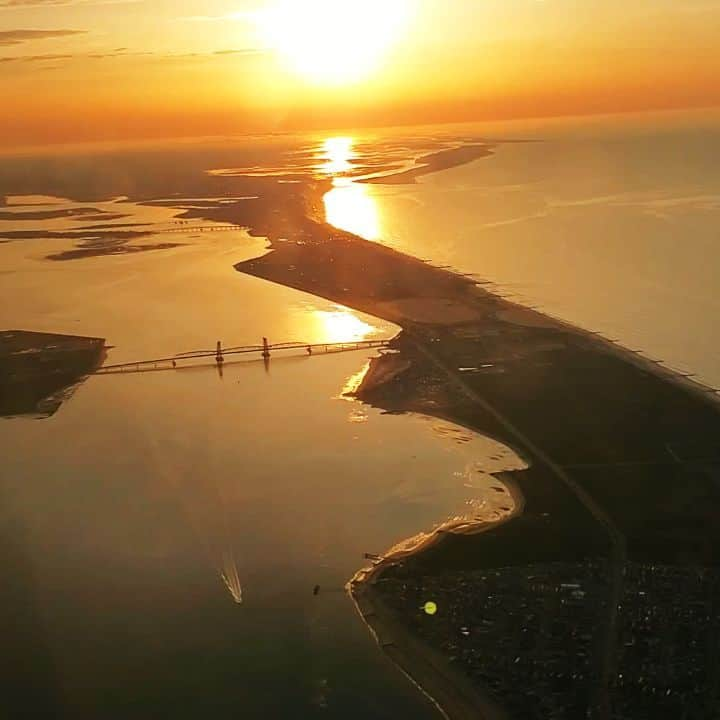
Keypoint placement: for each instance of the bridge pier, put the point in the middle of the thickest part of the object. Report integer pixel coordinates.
(266, 349)
(218, 353)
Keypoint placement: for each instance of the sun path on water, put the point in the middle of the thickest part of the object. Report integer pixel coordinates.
(348, 205)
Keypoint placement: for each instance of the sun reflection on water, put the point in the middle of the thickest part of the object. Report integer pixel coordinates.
(349, 206)
(354, 382)
(336, 326)
(337, 154)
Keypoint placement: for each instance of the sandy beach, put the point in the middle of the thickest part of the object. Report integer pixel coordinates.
(449, 688)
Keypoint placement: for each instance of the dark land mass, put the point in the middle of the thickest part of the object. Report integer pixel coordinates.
(38, 370)
(104, 226)
(50, 214)
(142, 175)
(197, 203)
(102, 217)
(442, 160)
(86, 234)
(109, 248)
(557, 612)
(91, 242)
(286, 211)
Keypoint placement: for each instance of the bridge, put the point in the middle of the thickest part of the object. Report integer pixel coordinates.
(190, 228)
(264, 350)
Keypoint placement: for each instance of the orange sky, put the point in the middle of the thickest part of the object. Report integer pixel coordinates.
(86, 70)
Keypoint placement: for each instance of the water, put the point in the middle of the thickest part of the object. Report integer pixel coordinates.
(133, 500)
(162, 303)
(164, 531)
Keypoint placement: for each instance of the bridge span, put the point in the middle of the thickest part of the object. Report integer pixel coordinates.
(264, 350)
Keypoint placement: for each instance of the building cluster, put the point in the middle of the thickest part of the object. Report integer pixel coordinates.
(542, 638)
(668, 649)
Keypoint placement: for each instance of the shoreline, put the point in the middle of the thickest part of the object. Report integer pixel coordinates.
(455, 695)
(457, 292)
(434, 162)
(39, 371)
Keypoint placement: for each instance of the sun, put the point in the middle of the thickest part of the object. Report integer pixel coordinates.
(333, 42)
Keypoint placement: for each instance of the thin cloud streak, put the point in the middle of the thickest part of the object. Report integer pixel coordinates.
(17, 37)
(246, 15)
(123, 53)
(19, 4)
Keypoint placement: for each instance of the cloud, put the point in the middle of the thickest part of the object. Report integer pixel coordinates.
(35, 58)
(10, 4)
(58, 3)
(241, 51)
(16, 37)
(121, 52)
(247, 15)
(28, 3)
(69, 56)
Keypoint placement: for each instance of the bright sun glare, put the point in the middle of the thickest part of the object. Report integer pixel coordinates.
(348, 206)
(337, 152)
(333, 42)
(341, 325)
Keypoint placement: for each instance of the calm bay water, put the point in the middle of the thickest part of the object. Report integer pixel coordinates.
(130, 505)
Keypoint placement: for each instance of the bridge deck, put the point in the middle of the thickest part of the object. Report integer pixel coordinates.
(168, 363)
